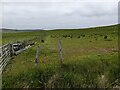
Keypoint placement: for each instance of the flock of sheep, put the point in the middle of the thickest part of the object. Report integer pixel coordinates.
(82, 35)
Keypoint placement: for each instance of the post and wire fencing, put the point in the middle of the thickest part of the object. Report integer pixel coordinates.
(7, 51)
(60, 49)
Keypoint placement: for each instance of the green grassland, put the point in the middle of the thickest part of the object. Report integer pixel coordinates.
(89, 60)
(12, 37)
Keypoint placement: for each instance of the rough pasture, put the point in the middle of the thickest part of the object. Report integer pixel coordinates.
(88, 62)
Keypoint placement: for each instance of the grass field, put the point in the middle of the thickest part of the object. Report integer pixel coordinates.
(90, 59)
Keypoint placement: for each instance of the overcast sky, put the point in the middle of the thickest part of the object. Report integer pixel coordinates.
(53, 14)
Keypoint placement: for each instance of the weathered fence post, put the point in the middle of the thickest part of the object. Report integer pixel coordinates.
(60, 48)
(37, 55)
(11, 50)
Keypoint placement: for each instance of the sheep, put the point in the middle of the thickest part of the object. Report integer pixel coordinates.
(65, 36)
(68, 35)
(42, 41)
(83, 35)
(105, 37)
(71, 36)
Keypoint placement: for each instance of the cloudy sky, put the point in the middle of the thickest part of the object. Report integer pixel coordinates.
(53, 14)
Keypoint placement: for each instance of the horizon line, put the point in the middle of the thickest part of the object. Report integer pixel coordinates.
(59, 28)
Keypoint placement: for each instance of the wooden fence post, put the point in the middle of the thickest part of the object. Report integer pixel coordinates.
(60, 48)
(37, 55)
(11, 50)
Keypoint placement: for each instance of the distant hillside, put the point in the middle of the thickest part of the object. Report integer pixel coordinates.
(15, 30)
(102, 27)
(27, 30)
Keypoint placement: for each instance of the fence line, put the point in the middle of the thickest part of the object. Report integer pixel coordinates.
(60, 48)
(4, 56)
(9, 50)
(37, 55)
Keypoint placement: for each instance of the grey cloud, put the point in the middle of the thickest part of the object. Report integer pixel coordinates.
(61, 14)
(95, 10)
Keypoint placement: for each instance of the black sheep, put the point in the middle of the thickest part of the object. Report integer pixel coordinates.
(83, 35)
(105, 37)
(42, 41)
(65, 36)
